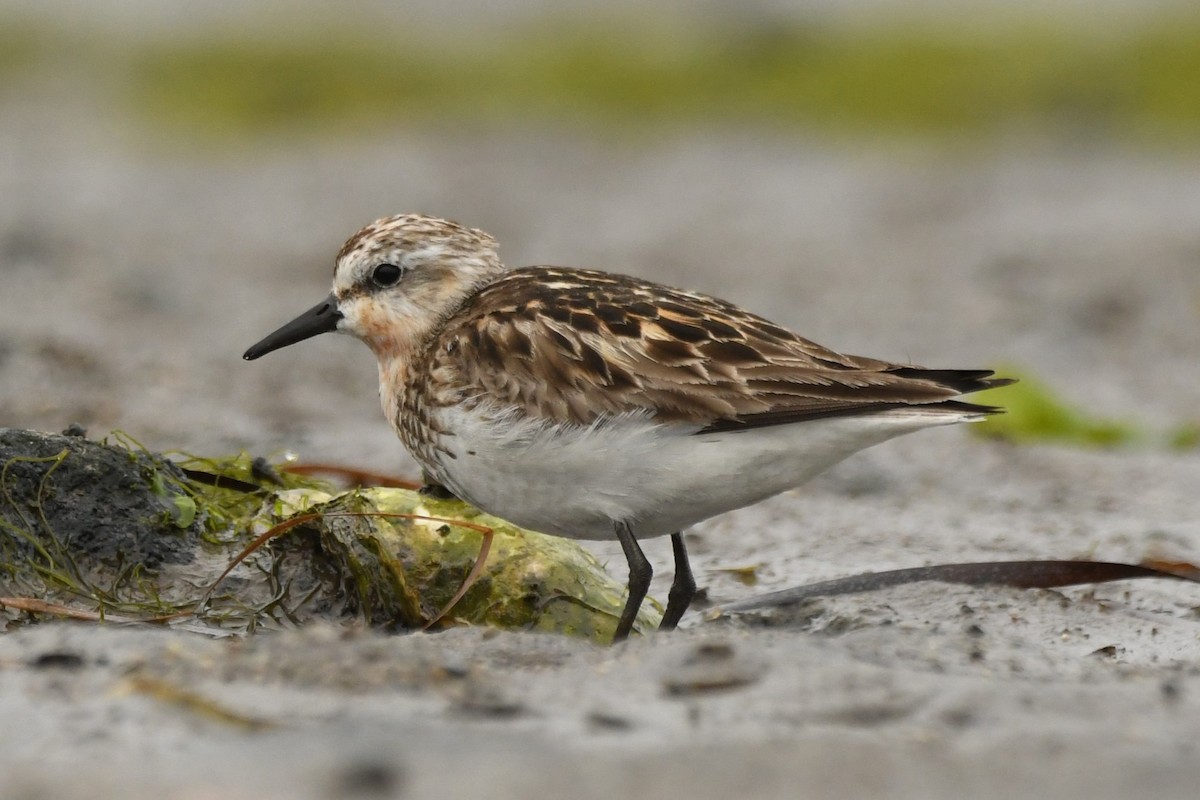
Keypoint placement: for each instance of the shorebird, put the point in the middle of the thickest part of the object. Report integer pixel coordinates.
(592, 405)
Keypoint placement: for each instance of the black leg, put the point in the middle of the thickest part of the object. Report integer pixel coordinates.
(640, 574)
(683, 588)
(431, 488)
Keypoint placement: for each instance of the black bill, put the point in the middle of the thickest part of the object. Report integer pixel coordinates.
(321, 318)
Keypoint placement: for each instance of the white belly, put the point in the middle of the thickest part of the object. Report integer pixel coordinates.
(574, 481)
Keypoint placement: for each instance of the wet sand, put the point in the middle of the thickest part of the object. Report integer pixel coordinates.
(135, 276)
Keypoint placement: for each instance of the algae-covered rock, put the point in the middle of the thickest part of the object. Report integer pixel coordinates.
(110, 529)
(66, 501)
(403, 568)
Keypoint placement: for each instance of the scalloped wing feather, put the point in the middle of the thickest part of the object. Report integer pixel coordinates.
(571, 346)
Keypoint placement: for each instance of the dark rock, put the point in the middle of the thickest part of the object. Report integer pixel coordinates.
(108, 506)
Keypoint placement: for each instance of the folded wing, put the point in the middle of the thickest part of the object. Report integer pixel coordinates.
(577, 345)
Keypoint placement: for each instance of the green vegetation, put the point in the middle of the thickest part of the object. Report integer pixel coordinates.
(1033, 413)
(19, 47)
(880, 80)
(1186, 437)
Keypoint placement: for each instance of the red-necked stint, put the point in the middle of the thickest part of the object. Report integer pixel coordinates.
(591, 405)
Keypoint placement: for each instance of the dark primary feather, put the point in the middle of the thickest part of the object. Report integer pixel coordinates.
(573, 345)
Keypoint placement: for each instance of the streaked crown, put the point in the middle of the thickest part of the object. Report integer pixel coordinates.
(398, 277)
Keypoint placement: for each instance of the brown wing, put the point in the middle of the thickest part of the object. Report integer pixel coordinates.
(572, 345)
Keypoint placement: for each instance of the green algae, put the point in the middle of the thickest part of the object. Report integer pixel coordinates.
(90, 522)
(1034, 413)
(531, 580)
(390, 558)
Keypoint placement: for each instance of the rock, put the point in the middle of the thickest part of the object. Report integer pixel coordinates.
(104, 506)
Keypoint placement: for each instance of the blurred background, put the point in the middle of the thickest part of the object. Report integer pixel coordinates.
(953, 184)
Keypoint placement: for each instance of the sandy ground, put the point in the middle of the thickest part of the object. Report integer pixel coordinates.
(134, 276)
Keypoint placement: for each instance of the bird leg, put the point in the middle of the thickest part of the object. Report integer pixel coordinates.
(683, 588)
(434, 490)
(640, 573)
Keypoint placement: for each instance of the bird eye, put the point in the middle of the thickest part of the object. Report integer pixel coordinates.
(386, 275)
